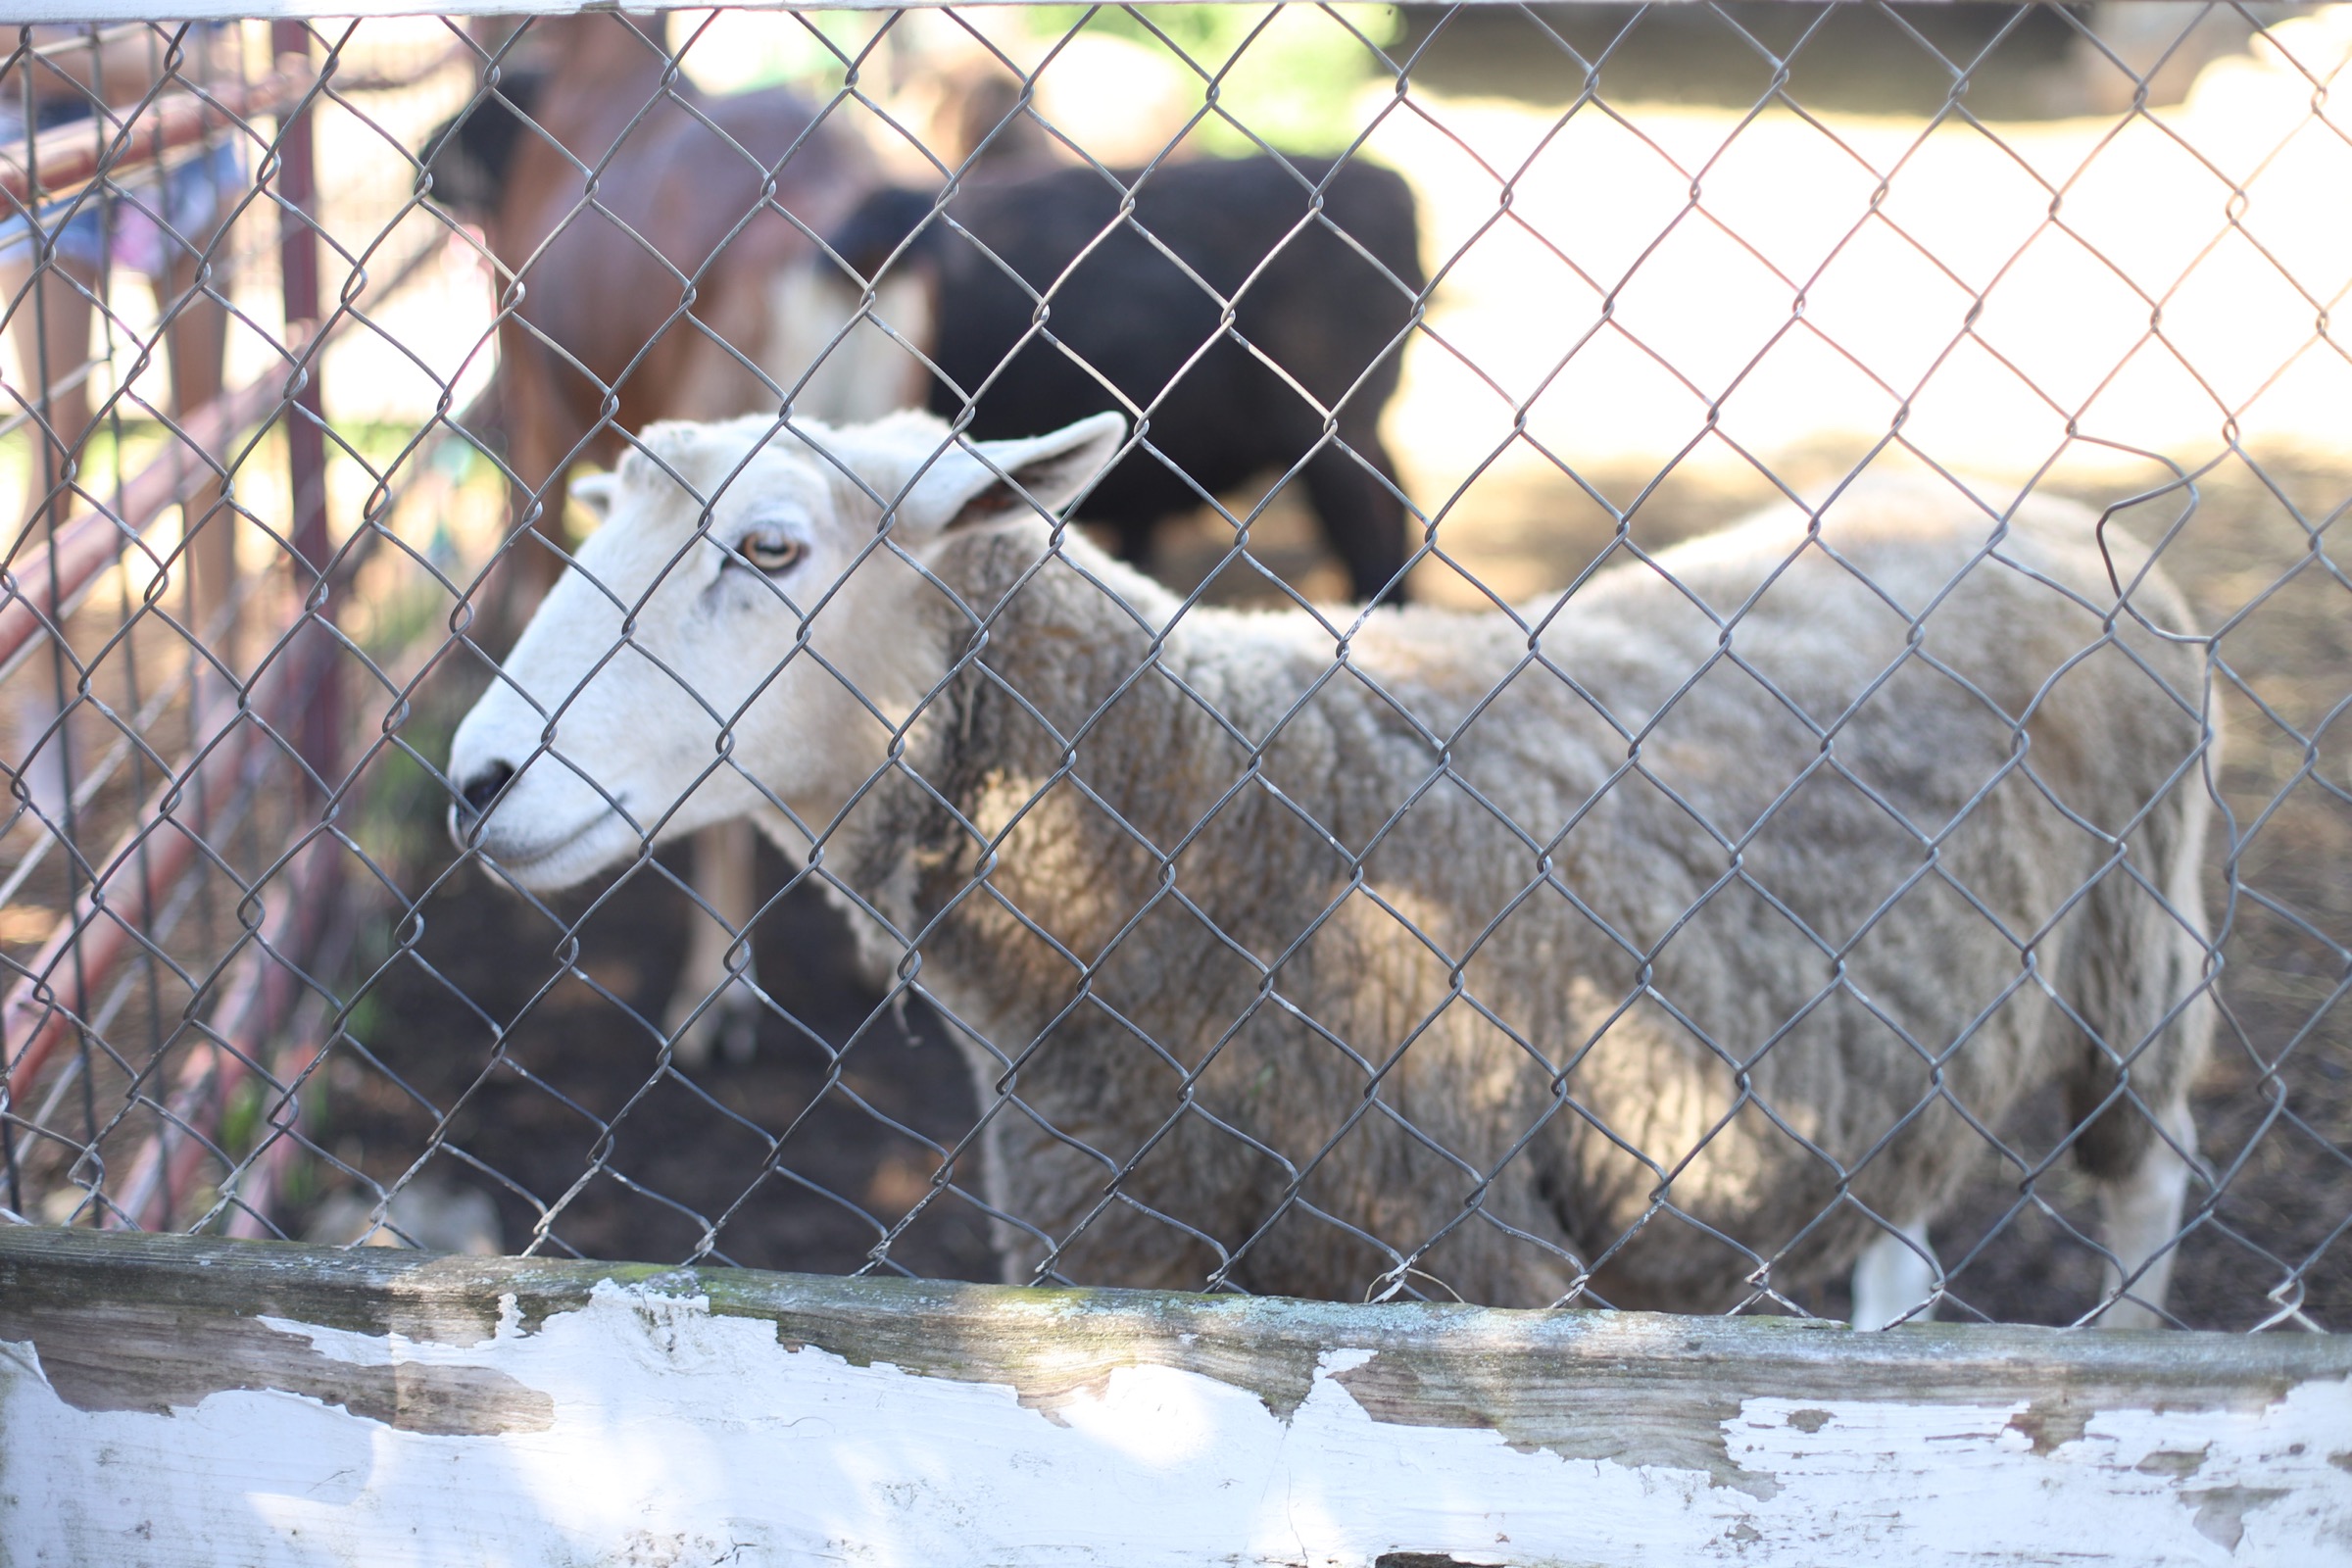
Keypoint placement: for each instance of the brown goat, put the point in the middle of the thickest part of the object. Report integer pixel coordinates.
(639, 222)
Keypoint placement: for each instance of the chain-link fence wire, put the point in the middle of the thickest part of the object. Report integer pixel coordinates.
(1486, 308)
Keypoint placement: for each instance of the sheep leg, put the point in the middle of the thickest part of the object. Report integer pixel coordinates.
(2140, 1220)
(1362, 519)
(1894, 1275)
(722, 884)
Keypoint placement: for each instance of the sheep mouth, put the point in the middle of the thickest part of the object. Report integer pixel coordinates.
(549, 863)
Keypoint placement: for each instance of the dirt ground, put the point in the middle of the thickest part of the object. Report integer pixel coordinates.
(798, 1158)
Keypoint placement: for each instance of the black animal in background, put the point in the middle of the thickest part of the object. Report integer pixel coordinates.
(1133, 321)
(468, 154)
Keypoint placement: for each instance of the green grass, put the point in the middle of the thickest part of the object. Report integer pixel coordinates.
(1290, 74)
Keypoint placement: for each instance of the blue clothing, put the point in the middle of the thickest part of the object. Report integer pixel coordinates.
(154, 223)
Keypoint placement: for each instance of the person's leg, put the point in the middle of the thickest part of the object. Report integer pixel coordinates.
(195, 337)
(184, 223)
(51, 330)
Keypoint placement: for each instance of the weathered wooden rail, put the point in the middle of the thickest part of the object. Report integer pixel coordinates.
(165, 1399)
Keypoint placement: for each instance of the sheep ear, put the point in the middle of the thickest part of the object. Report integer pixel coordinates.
(1006, 478)
(595, 492)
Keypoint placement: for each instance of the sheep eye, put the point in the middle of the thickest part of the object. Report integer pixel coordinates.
(772, 552)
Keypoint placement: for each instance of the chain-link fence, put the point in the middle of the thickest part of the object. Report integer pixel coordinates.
(1406, 836)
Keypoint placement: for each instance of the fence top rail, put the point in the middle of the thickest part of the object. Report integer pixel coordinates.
(1533, 1371)
(114, 11)
(475, 1405)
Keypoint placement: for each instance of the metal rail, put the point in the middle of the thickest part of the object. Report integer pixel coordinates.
(58, 162)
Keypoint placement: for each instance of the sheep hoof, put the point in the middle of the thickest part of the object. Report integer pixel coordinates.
(690, 1047)
(693, 1038)
(1896, 1279)
(738, 1029)
(2128, 1312)
(729, 1028)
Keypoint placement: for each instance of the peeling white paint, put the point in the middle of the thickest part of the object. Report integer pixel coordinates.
(682, 1437)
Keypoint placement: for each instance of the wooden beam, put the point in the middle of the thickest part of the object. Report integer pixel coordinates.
(165, 1399)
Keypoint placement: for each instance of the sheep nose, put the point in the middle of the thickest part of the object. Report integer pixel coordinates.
(480, 790)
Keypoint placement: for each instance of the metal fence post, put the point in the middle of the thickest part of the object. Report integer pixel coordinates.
(306, 418)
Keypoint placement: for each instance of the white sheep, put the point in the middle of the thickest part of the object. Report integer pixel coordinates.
(1687, 935)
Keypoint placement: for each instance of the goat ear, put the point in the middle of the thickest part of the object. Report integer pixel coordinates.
(595, 492)
(999, 480)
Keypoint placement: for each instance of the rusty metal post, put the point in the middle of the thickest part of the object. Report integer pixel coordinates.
(320, 730)
(304, 901)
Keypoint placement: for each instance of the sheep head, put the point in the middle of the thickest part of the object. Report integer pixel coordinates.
(739, 633)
